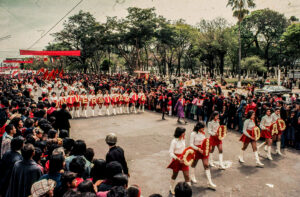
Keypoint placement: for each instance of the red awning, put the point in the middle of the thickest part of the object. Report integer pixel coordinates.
(50, 53)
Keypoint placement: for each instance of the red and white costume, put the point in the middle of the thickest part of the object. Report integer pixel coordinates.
(70, 101)
(265, 125)
(133, 97)
(107, 100)
(54, 99)
(76, 100)
(275, 117)
(114, 99)
(142, 98)
(93, 100)
(176, 149)
(196, 140)
(84, 100)
(247, 131)
(100, 99)
(212, 129)
(62, 100)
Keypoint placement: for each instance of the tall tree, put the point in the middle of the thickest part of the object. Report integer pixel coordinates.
(79, 33)
(240, 10)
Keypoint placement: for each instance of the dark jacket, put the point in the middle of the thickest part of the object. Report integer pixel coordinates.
(6, 164)
(117, 154)
(62, 119)
(24, 174)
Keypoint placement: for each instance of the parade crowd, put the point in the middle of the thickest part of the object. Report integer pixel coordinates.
(39, 158)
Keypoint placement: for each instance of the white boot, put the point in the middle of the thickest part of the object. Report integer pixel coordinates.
(140, 108)
(269, 156)
(77, 112)
(278, 144)
(85, 114)
(172, 186)
(193, 178)
(73, 113)
(211, 161)
(114, 110)
(221, 161)
(143, 108)
(93, 112)
(241, 157)
(266, 148)
(258, 163)
(170, 111)
(121, 110)
(107, 112)
(134, 110)
(261, 145)
(127, 110)
(208, 176)
(99, 112)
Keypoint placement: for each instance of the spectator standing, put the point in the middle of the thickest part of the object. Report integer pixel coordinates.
(24, 174)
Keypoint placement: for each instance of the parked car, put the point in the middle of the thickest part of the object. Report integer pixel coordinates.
(268, 89)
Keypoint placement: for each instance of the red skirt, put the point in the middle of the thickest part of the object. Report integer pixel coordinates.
(114, 103)
(214, 141)
(133, 101)
(106, 104)
(84, 104)
(142, 102)
(176, 166)
(76, 104)
(120, 102)
(92, 104)
(266, 134)
(198, 155)
(69, 105)
(245, 139)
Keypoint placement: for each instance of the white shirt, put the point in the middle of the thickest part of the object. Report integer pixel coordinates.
(212, 127)
(248, 125)
(266, 121)
(275, 117)
(196, 139)
(177, 147)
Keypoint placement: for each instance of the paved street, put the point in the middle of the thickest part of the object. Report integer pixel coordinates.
(146, 138)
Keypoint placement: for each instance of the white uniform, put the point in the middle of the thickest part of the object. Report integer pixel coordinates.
(248, 125)
(212, 127)
(196, 139)
(266, 121)
(275, 117)
(177, 147)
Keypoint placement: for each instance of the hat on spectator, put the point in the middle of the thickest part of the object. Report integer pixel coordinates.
(42, 187)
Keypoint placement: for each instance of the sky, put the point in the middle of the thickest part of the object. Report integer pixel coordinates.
(23, 22)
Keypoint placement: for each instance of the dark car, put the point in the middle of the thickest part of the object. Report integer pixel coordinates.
(268, 89)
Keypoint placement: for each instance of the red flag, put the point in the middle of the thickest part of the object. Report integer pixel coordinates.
(51, 74)
(15, 74)
(56, 72)
(46, 74)
(50, 53)
(61, 74)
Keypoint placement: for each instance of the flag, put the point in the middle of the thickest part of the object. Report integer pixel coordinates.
(51, 74)
(42, 70)
(61, 74)
(15, 74)
(46, 74)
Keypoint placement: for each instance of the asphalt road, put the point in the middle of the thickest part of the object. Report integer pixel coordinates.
(146, 139)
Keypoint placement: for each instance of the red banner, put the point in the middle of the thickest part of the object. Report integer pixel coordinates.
(19, 61)
(9, 67)
(50, 53)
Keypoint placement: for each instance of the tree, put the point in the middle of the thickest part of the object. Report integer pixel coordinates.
(253, 64)
(239, 8)
(291, 42)
(79, 33)
(261, 33)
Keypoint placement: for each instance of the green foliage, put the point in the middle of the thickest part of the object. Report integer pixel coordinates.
(291, 39)
(253, 63)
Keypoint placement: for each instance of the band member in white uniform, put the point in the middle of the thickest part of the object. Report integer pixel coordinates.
(266, 133)
(277, 137)
(247, 138)
(176, 149)
(196, 140)
(212, 128)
